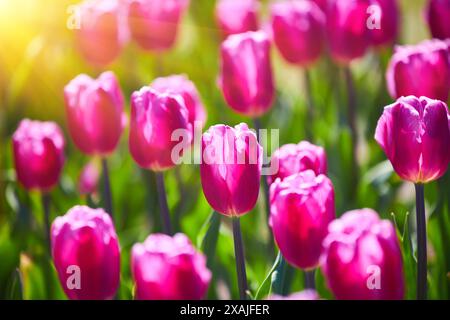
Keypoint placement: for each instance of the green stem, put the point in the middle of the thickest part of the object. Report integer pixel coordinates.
(107, 194)
(163, 206)
(421, 243)
(240, 260)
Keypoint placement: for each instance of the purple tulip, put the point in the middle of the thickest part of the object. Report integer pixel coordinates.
(388, 14)
(88, 179)
(438, 17)
(235, 17)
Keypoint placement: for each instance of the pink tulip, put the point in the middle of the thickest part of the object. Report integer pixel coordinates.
(235, 17)
(307, 294)
(154, 24)
(88, 179)
(298, 29)
(154, 118)
(362, 259)
(94, 109)
(101, 35)
(415, 135)
(438, 17)
(169, 268)
(388, 14)
(38, 150)
(348, 35)
(246, 78)
(295, 158)
(86, 254)
(323, 4)
(180, 84)
(231, 168)
(301, 207)
(420, 70)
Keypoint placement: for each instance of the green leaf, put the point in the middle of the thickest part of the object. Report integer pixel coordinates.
(265, 288)
(282, 277)
(209, 233)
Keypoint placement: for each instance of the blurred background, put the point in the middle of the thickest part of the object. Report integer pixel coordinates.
(38, 58)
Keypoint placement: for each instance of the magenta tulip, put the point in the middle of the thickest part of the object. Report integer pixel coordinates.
(154, 24)
(301, 207)
(298, 28)
(295, 158)
(169, 268)
(101, 35)
(438, 17)
(38, 150)
(387, 14)
(362, 258)
(95, 116)
(86, 254)
(231, 168)
(154, 118)
(415, 135)
(348, 34)
(420, 70)
(246, 76)
(88, 179)
(307, 294)
(235, 17)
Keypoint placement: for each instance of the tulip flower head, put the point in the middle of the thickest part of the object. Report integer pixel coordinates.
(384, 30)
(169, 268)
(362, 259)
(231, 168)
(86, 254)
(88, 179)
(38, 151)
(301, 207)
(438, 17)
(95, 116)
(307, 294)
(415, 135)
(235, 17)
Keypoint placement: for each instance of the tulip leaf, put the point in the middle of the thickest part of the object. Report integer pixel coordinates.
(281, 279)
(208, 236)
(16, 286)
(265, 288)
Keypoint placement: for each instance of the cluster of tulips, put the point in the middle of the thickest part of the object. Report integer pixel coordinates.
(414, 133)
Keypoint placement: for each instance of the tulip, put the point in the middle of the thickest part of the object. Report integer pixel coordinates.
(235, 17)
(386, 15)
(295, 158)
(246, 73)
(154, 23)
(86, 254)
(169, 268)
(100, 36)
(298, 29)
(307, 294)
(420, 70)
(438, 16)
(301, 207)
(88, 179)
(361, 257)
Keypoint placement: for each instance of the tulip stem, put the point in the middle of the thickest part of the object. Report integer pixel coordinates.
(107, 195)
(310, 104)
(421, 243)
(163, 206)
(46, 200)
(310, 281)
(240, 261)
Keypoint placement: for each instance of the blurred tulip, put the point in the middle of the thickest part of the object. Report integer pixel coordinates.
(38, 150)
(94, 109)
(237, 16)
(154, 24)
(307, 294)
(86, 254)
(298, 29)
(301, 207)
(154, 118)
(362, 259)
(387, 14)
(101, 34)
(88, 179)
(169, 268)
(231, 169)
(438, 17)
(246, 73)
(323, 4)
(348, 34)
(420, 70)
(295, 158)
(415, 135)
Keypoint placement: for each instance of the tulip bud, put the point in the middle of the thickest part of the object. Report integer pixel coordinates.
(438, 17)
(362, 259)
(347, 30)
(86, 254)
(94, 109)
(295, 158)
(101, 36)
(38, 150)
(415, 135)
(88, 180)
(235, 17)
(307, 294)
(301, 207)
(420, 70)
(246, 78)
(169, 268)
(385, 29)
(180, 84)
(298, 29)
(154, 119)
(154, 23)
(231, 168)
